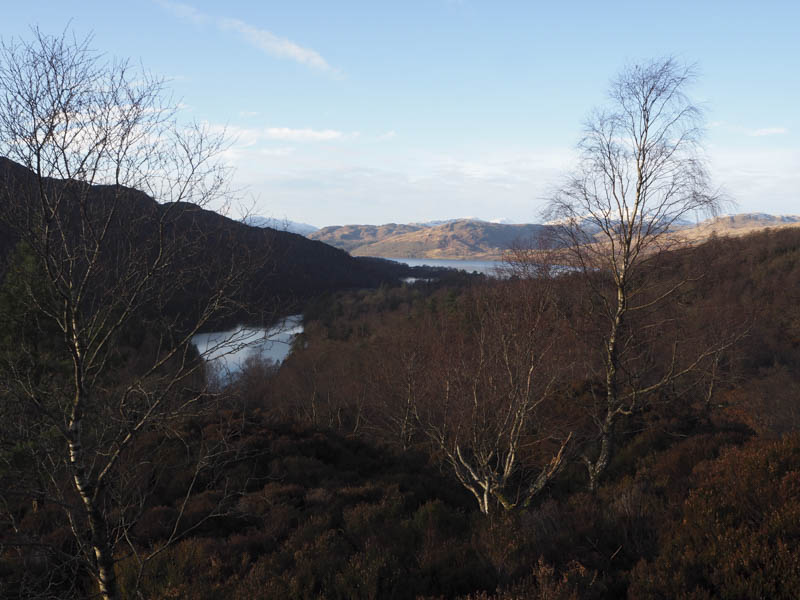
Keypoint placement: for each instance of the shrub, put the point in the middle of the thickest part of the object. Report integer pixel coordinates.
(739, 530)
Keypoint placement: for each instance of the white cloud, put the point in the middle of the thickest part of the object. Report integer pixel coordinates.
(341, 181)
(758, 180)
(282, 151)
(276, 46)
(388, 135)
(456, 169)
(264, 40)
(506, 169)
(768, 131)
(739, 129)
(304, 135)
(250, 136)
(185, 12)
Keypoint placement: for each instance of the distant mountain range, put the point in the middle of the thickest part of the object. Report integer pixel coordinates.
(473, 239)
(750, 221)
(458, 239)
(737, 225)
(280, 225)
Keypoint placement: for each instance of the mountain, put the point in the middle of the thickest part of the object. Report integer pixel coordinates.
(282, 268)
(737, 225)
(457, 239)
(482, 240)
(750, 221)
(446, 221)
(353, 237)
(280, 225)
(462, 239)
(589, 225)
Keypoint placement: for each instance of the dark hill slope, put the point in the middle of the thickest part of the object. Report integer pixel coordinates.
(282, 268)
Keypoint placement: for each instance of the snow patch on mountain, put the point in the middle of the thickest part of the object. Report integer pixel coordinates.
(280, 224)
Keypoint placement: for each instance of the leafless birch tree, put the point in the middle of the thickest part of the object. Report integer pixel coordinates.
(487, 404)
(641, 172)
(91, 136)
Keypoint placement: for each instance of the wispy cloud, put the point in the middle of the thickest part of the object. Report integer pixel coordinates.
(275, 45)
(767, 131)
(361, 183)
(250, 136)
(282, 151)
(262, 39)
(748, 131)
(305, 135)
(185, 12)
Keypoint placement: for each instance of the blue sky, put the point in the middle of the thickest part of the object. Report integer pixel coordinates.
(375, 112)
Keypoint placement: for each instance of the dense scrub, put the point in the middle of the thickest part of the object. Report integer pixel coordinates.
(333, 485)
(318, 515)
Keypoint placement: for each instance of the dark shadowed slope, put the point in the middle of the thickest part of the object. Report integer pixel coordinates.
(283, 268)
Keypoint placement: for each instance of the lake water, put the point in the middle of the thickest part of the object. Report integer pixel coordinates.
(228, 350)
(487, 267)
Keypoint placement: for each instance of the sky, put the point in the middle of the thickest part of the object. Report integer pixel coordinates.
(376, 111)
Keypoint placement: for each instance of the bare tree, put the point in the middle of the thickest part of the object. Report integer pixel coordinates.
(116, 287)
(641, 172)
(487, 404)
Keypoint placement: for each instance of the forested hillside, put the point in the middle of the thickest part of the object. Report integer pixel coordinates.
(282, 269)
(346, 472)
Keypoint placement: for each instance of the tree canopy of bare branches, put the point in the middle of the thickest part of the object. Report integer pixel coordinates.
(103, 203)
(486, 406)
(641, 172)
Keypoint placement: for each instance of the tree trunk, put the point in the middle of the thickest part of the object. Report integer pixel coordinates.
(87, 489)
(106, 578)
(486, 499)
(597, 467)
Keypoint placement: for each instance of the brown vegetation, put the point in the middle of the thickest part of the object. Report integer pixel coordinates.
(627, 427)
(356, 500)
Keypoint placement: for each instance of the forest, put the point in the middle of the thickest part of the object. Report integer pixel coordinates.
(336, 474)
(614, 416)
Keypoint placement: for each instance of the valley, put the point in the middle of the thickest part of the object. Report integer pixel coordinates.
(199, 402)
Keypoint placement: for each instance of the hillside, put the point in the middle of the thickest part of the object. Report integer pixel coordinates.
(739, 224)
(284, 268)
(480, 240)
(354, 237)
(701, 498)
(460, 239)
